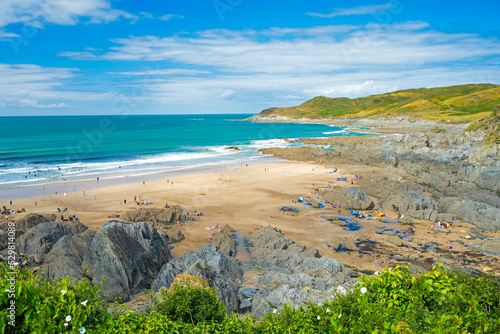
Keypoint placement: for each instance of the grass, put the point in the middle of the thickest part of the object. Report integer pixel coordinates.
(461, 103)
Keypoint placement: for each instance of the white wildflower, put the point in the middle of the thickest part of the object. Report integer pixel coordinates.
(63, 292)
(376, 273)
(84, 303)
(328, 310)
(318, 317)
(274, 311)
(68, 318)
(82, 330)
(66, 324)
(340, 315)
(363, 290)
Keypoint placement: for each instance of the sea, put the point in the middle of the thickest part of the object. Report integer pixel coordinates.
(52, 149)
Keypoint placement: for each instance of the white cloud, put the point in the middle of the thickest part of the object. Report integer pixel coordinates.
(64, 12)
(318, 50)
(7, 35)
(35, 86)
(362, 10)
(168, 17)
(34, 104)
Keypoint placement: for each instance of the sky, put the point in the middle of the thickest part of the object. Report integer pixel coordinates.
(116, 57)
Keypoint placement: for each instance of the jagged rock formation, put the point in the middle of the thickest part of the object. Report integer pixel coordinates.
(224, 241)
(127, 256)
(40, 239)
(66, 256)
(350, 198)
(220, 271)
(295, 274)
(161, 215)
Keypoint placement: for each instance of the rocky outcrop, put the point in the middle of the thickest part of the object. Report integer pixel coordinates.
(221, 273)
(484, 216)
(175, 235)
(40, 239)
(350, 198)
(490, 246)
(127, 256)
(29, 221)
(224, 241)
(296, 273)
(66, 256)
(162, 215)
(414, 203)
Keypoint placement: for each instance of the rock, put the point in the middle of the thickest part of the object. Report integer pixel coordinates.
(224, 241)
(490, 246)
(482, 215)
(390, 158)
(292, 268)
(351, 198)
(414, 204)
(245, 305)
(395, 240)
(488, 269)
(175, 235)
(30, 221)
(350, 246)
(232, 148)
(128, 255)
(66, 256)
(40, 239)
(335, 220)
(169, 215)
(335, 245)
(220, 271)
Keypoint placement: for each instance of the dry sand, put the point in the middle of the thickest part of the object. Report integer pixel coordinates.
(251, 198)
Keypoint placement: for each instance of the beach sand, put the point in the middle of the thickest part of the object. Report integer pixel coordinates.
(251, 198)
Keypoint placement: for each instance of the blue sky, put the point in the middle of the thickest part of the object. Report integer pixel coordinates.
(83, 57)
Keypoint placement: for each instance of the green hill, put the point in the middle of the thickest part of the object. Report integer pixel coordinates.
(455, 103)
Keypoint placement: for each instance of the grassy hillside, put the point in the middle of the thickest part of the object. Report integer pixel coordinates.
(456, 103)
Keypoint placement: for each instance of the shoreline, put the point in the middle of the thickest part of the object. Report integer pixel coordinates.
(61, 187)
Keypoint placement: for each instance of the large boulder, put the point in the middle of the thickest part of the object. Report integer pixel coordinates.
(224, 241)
(162, 215)
(220, 271)
(351, 198)
(128, 256)
(66, 256)
(413, 203)
(40, 239)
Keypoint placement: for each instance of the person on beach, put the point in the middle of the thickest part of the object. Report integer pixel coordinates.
(124, 201)
(94, 197)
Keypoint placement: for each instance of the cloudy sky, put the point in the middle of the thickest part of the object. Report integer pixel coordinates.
(83, 57)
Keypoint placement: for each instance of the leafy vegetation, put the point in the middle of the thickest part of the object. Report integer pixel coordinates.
(455, 103)
(396, 301)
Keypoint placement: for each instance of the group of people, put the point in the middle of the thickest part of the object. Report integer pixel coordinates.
(440, 224)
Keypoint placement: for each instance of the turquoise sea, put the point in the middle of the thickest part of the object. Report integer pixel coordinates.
(42, 150)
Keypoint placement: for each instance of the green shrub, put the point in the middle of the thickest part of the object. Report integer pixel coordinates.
(44, 307)
(190, 303)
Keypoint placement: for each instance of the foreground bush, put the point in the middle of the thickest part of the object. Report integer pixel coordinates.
(189, 299)
(43, 307)
(393, 302)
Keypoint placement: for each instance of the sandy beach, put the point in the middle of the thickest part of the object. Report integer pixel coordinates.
(245, 198)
